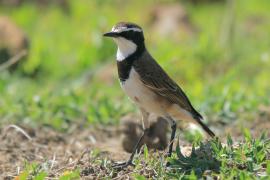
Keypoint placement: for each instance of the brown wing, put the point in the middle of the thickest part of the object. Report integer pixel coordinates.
(156, 79)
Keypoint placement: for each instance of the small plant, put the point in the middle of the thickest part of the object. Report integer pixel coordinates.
(249, 158)
(201, 159)
(70, 175)
(32, 171)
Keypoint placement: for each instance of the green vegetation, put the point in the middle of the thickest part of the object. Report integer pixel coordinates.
(224, 69)
(248, 159)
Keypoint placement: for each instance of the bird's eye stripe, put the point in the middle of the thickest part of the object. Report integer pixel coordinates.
(133, 29)
(123, 29)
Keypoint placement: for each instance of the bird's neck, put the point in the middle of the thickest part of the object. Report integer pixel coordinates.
(124, 52)
(127, 49)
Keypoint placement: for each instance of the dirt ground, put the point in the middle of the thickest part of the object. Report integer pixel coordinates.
(58, 152)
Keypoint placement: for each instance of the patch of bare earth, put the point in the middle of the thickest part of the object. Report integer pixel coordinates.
(83, 148)
(92, 150)
(55, 152)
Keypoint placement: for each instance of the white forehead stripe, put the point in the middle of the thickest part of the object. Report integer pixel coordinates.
(122, 29)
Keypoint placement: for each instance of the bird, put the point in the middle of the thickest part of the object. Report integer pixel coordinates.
(147, 84)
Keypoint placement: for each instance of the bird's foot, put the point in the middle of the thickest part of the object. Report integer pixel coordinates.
(122, 165)
(167, 154)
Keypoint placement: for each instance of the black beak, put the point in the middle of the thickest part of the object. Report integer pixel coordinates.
(110, 34)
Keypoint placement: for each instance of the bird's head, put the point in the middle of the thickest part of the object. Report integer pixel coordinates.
(128, 37)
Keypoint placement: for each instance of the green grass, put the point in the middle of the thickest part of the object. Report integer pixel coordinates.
(66, 48)
(226, 79)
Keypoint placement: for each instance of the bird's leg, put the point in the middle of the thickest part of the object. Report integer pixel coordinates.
(134, 151)
(146, 126)
(173, 128)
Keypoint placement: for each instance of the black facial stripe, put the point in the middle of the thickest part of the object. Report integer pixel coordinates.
(133, 26)
(132, 35)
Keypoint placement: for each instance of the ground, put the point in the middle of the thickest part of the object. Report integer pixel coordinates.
(88, 151)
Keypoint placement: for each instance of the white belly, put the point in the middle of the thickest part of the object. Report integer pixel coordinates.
(141, 95)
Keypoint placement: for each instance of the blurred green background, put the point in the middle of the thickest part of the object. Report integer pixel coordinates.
(219, 52)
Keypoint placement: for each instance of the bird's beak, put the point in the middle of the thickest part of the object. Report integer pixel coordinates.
(110, 34)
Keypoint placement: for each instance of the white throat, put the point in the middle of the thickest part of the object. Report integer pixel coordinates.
(125, 48)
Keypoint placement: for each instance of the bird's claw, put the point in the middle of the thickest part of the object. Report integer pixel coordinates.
(167, 154)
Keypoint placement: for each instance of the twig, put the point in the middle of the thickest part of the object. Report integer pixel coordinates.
(121, 176)
(13, 60)
(53, 161)
(86, 151)
(66, 166)
(19, 130)
(18, 170)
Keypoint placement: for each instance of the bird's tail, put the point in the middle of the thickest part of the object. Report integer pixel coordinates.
(198, 117)
(205, 128)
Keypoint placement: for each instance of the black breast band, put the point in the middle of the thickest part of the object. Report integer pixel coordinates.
(124, 66)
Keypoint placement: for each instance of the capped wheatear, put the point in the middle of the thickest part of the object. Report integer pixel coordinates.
(148, 85)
